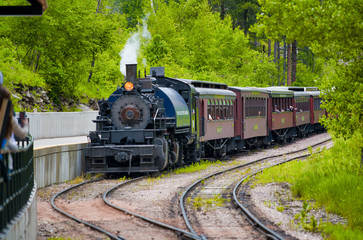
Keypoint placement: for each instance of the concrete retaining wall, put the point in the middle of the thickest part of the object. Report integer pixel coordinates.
(61, 124)
(58, 164)
(24, 225)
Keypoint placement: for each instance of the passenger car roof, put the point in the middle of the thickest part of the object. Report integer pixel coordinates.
(215, 93)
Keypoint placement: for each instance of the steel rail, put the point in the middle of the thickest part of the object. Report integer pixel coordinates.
(255, 221)
(79, 220)
(182, 199)
(160, 224)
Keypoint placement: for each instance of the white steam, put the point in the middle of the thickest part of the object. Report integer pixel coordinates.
(131, 49)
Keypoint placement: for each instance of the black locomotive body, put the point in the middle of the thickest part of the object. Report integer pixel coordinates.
(142, 127)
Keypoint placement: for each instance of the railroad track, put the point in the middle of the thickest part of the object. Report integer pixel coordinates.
(89, 224)
(222, 186)
(180, 233)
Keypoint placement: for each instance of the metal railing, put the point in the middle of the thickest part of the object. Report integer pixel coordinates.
(160, 119)
(16, 181)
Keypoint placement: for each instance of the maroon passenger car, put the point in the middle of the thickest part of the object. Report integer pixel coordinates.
(282, 117)
(317, 111)
(251, 117)
(216, 119)
(303, 113)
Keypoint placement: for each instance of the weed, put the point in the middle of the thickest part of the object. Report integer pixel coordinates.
(44, 193)
(122, 178)
(152, 181)
(247, 171)
(332, 179)
(196, 167)
(200, 203)
(98, 175)
(280, 208)
(267, 203)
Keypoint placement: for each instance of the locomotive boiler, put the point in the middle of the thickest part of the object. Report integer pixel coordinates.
(141, 127)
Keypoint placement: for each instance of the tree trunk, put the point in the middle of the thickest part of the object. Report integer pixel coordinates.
(37, 62)
(277, 60)
(223, 10)
(92, 65)
(288, 64)
(245, 28)
(284, 66)
(32, 56)
(294, 61)
(98, 5)
(269, 48)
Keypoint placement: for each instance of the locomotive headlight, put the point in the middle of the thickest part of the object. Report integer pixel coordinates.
(129, 86)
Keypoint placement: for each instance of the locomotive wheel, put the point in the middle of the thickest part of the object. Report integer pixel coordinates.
(191, 154)
(174, 153)
(162, 153)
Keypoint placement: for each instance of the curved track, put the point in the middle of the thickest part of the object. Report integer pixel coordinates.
(223, 185)
(112, 236)
(253, 219)
(178, 231)
(192, 234)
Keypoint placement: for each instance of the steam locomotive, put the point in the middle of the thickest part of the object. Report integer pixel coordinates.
(152, 123)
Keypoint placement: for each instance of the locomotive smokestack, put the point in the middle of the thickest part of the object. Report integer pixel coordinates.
(131, 73)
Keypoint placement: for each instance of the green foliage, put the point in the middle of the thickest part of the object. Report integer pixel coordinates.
(14, 72)
(342, 87)
(327, 25)
(243, 13)
(280, 208)
(195, 43)
(80, 179)
(332, 29)
(133, 10)
(332, 178)
(71, 45)
(156, 50)
(340, 232)
(196, 167)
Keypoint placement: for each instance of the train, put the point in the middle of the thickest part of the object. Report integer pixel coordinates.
(156, 122)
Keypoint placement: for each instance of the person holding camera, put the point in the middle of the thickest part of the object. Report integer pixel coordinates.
(13, 127)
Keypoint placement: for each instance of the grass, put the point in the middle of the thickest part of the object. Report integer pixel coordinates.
(280, 208)
(205, 203)
(334, 179)
(84, 177)
(196, 167)
(151, 180)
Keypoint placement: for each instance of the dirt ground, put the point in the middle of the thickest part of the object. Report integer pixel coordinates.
(155, 198)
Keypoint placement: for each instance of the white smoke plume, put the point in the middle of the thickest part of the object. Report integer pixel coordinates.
(131, 49)
(129, 53)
